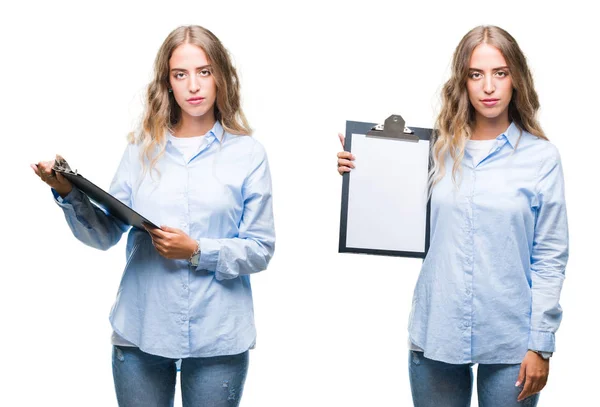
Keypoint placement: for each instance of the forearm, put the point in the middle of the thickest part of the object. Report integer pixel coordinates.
(89, 224)
(230, 258)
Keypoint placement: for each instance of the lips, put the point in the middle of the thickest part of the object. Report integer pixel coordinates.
(195, 100)
(490, 102)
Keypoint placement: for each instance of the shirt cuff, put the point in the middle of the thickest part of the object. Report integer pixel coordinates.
(209, 254)
(541, 341)
(545, 355)
(67, 200)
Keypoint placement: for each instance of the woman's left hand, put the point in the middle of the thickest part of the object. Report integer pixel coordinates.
(172, 243)
(534, 372)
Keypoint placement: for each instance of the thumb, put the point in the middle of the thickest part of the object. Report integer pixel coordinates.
(521, 377)
(341, 137)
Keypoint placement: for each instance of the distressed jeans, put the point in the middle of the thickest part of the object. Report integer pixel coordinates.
(435, 384)
(145, 380)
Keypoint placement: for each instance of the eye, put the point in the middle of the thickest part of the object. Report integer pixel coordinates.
(205, 72)
(179, 75)
(502, 74)
(475, 75)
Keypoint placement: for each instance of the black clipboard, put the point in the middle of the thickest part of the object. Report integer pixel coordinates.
(393, 128)
(102, 198)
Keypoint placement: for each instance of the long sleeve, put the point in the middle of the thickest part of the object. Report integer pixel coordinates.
(252, 249)
(91, 224)
(549, 255)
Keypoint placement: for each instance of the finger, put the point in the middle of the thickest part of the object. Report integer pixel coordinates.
(159, 248)
(156, 234)
(149, 227)
(527, 390)
(521, 377)
(345, 163)
(44, 171)
(345, 154)
(166, 228)
(342, 139)
(342, 170)
(61, 178)
(35, 169)
(46, 166)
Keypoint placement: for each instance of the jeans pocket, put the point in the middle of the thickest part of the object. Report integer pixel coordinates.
(416, 357)
(119, 354)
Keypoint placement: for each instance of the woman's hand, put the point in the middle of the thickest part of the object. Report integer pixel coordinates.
(172, 243)
(54, 179)
(534, 372)
(344, 158)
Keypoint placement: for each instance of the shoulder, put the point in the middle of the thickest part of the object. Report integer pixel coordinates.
(544, 156)
(543, 150)
(248, 144)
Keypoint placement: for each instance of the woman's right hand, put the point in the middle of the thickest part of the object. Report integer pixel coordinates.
(55, 180)
(345, 158)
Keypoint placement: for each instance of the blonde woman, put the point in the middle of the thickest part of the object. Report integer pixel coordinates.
(488, 291)
(185, 292)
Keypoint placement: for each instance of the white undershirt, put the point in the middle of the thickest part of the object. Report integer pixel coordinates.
(187, 146)
(480, 148)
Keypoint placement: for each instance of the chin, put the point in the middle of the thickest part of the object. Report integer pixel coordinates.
(197, 113)
(492, 113)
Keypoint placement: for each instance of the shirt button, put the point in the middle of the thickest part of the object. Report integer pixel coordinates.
(466, 324)
(185, 287)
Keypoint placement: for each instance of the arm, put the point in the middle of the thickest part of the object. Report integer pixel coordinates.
(89, 223)
(252, 249)
(549, 255)
(548, 261)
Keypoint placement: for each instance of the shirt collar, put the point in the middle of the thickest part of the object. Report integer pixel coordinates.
(216, 133)
(511, 134)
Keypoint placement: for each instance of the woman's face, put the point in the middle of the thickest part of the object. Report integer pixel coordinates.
(192, 81)
(489, 84)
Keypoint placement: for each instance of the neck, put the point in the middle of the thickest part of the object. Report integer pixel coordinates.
(194, 126)
(486, 129)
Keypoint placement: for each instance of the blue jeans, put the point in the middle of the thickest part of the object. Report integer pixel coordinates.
(435, 384)
(144, 380)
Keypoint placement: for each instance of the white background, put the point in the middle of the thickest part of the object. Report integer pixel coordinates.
(331, 327)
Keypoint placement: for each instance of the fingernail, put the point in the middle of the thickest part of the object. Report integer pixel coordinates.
(517, 384)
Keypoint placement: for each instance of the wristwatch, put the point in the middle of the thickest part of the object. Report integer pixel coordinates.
(545, 355)
(195, 257)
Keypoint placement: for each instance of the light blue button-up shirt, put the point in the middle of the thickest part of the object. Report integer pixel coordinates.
(489, 287)
(221, 197)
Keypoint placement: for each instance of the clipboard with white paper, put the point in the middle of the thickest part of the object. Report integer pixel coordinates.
(385, 204)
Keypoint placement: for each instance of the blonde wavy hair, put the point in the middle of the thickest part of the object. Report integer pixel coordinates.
(457, 116)
(162, 113)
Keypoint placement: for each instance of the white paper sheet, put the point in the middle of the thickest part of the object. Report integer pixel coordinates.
(387, 198)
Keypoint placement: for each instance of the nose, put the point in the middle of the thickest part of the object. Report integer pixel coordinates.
(194, 84)
(488, 85)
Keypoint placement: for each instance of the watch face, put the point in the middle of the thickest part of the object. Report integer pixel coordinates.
(545, 355)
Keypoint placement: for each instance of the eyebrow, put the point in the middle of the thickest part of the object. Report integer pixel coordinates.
(185, 70)
(494, 69)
